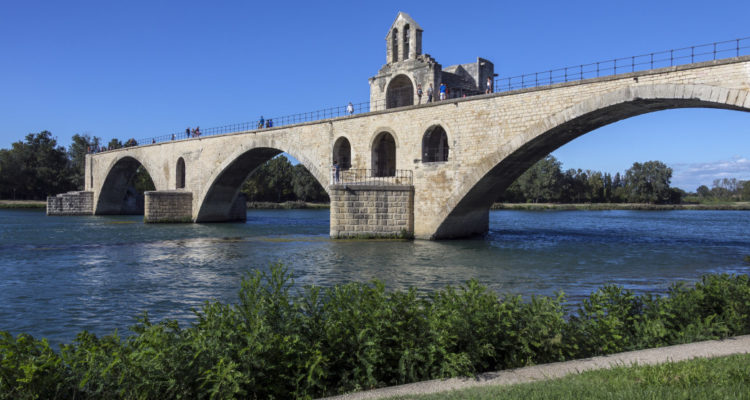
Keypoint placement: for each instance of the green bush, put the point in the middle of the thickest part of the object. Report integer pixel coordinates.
(280, 342)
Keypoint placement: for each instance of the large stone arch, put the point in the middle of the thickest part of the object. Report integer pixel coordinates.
(467, 209)
(115, 195)
(214, 204)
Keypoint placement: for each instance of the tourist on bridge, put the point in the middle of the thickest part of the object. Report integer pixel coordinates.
(197, 131)
(269, 123)
(187, 133)
(429, 93)
(350, 108)
(419, 93)
(261, 122)
(489, 86)
(443, 89)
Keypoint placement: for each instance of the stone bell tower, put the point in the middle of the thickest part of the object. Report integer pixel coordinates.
(407, 68)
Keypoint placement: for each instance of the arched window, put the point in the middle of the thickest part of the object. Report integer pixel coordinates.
(400, 92)
(180, 174)
(435, 145)
(406, 42)
(342, 153)
(394, 45)
(384, 155)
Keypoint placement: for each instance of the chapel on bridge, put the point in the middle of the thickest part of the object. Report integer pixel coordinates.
(395, 85)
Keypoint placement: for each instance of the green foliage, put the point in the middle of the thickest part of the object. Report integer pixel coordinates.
(80, 146)
(283, 342)
(278, 181)
(34, 168)
(545, 182)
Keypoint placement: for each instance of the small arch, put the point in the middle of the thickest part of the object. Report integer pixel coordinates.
(342, 153)
(394, 45)
(400, 92)
(435, 145)
(180, 174)
(384, 155)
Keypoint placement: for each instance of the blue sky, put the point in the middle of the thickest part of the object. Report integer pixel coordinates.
(147, 68)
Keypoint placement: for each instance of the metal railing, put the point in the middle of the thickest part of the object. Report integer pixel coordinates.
(667, 58)
(352, 177)
(643, 62)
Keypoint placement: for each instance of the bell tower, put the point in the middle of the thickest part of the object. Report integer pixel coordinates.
(404, 39)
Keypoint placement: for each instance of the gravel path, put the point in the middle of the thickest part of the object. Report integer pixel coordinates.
(711, 348)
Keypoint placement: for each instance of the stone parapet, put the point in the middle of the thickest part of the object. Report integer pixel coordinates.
(372, 211)
(71, 203)
(163, 206)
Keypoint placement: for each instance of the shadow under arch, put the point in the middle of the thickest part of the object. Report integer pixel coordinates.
(400, 92)
(120, 194)
(218, 202)
(469, 206)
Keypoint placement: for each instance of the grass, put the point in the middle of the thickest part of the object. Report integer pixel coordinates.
(715, 378)
(740, 205)
(23, 204)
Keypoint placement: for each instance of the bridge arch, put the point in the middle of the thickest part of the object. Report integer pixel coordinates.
(117, 195)
(400, 92)
(223, 187)
(467, 210)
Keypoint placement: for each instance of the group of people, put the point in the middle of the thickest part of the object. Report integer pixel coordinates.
(267, 123)
(444, 91)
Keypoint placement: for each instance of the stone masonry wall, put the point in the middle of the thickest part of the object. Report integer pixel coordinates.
(372, 211)
(168, 206)
(71, 203)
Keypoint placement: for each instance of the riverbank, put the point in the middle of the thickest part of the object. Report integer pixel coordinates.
(742, 205)
(22, 204)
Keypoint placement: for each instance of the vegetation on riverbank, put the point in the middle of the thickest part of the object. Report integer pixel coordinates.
(22, 204)
(739, 205)
(714, 378)
(283, 343)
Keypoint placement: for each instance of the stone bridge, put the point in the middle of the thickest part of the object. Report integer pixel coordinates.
(462, 153)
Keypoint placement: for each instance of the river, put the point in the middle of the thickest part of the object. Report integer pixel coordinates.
(60, 275)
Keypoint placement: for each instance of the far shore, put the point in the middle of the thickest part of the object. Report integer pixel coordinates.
(23, 204)
(740, 205)
(289, 205)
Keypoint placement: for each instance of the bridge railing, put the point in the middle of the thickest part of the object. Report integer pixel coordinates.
(643, 62)
(371, 177)
(667, 58)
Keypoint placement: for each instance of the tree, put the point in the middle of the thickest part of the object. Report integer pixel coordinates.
(81, 145)
(648, 182)
(114, 144)
(703, 191)
(306, 187)
(540, 183)
(271, 181)
(35, 168)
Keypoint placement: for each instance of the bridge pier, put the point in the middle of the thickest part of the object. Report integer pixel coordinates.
(168, 206)
(372, 211)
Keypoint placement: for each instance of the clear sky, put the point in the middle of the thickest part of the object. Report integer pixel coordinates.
(145, 68)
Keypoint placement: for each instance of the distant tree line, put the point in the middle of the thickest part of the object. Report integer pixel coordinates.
(726, 189)
(278, 180)
(546, 182)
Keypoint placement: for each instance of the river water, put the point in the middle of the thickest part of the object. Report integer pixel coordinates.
(60, 275)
